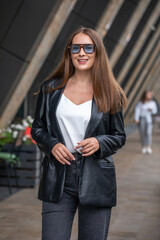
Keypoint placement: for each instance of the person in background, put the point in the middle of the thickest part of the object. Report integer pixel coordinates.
(144, 110)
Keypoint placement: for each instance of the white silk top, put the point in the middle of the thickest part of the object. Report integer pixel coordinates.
(73, 120)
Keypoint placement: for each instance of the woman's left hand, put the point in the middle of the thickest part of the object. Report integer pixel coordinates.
(88, 146)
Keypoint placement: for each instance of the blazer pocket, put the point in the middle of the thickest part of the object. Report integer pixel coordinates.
(99, 187)
(104, 163)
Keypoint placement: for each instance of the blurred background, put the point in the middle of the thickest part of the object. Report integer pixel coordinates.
(33, 35)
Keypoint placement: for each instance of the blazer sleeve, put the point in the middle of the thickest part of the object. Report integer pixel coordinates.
(39, 130)
(109, 144)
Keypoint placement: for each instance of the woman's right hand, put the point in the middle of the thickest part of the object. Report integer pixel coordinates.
(62, 154)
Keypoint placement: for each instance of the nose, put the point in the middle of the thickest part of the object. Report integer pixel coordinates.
(82, 52)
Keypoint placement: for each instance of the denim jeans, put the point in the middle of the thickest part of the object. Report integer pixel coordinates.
(57, 218)
(145, 132)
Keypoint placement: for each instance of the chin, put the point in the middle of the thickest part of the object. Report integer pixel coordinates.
(83, 68)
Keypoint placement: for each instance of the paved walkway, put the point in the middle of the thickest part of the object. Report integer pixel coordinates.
(136, 217)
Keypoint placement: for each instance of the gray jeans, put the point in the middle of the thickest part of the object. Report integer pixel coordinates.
(57, 218)
(145, 132)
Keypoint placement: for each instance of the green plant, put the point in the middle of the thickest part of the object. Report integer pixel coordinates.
(10, 158)
(9, 134)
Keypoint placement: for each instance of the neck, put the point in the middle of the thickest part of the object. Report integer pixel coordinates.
(147, 100)
(82, 77)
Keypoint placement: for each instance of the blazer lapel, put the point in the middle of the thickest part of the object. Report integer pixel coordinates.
(94, 120)
(54, 100)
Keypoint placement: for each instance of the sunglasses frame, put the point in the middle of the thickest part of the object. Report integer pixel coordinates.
(82, 46)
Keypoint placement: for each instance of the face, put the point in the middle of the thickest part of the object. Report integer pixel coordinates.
(149, 95)
(82, 61)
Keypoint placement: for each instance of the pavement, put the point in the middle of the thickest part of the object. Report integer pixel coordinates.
(136, 216)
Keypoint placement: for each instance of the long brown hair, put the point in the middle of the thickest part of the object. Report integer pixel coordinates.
(143, 97)
(108, 94)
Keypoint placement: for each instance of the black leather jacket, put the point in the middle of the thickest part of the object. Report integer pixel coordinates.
(97, 185)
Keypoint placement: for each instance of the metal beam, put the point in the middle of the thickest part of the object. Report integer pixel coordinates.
(156, 90)
(37, 61)
(155, 87)
(128, 31)
(139, 43)
(142, 76)
(142, 61)
(108, 17)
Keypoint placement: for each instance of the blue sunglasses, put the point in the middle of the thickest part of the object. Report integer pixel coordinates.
(88, 48)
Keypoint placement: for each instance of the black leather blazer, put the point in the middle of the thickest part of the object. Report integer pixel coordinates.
(97, 185)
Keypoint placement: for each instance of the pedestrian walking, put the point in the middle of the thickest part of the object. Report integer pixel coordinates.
(79, 125)
(144, 110)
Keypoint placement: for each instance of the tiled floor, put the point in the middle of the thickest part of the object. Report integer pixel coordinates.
(4, 192)
(136, 217)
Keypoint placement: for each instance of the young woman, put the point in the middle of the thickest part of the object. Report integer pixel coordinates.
(79, 125)
(144, 110)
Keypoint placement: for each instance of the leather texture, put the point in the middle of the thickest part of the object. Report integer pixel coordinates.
(97, 184)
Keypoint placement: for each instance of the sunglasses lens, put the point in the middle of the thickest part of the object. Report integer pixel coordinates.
(89, 48)
(75, 48)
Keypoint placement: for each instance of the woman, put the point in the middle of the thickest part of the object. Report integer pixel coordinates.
(144, 110)
(78, 125)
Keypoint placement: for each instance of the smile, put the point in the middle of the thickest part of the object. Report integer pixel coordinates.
(82, 61)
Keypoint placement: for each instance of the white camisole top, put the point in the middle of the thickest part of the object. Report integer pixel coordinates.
(73, 120)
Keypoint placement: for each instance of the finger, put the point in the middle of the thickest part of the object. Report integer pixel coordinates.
(63, 153)
(58, 159)
(69, 154)
(86, 150)
(90, 145)
(60, 156)
(88, 154)
(82, 144)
